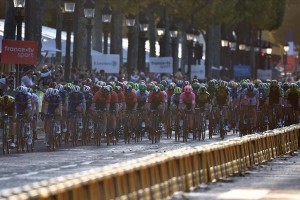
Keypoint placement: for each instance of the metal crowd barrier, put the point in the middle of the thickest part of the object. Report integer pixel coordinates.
(158, 176)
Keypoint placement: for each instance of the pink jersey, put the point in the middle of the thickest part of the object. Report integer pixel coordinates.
(187, 99)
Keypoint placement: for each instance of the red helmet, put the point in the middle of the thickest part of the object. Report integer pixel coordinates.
(52, 85)
(188, 88)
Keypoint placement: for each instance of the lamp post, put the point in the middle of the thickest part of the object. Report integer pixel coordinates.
(106, 19)
(224, 45)
(269, 52)
(173, 34)
(161, 29)
(142, 40)
(69, 6)
(130, 23)
(190, 44)
(19, 6)
(89, 13)
(286, 49)
(232, 47)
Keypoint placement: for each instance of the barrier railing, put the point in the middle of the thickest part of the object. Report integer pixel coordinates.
(159, 176)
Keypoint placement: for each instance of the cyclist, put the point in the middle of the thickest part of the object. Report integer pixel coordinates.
(7, 106)
(35, 111)
(274, 101)
(101, 102)
(88, 102)
(114, 109)
(52, 108)
(77, 107)
(292, 97)
(187, 103)
(131, 105)
(63, 93)
(23, 108)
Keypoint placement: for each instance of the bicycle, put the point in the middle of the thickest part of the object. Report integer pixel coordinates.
(53, 136)
(88, 129)
(5, 134)
(200, 123)
(24, 134)
(154, 132)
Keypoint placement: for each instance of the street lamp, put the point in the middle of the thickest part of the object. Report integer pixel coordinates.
(19, 6)
(106, 19)
(269, 52)
(161, 29)
(190, 43)
(142, 37)
(286, 48)
(69, 6)
(173, 34)
(130, 23)
(89, 13)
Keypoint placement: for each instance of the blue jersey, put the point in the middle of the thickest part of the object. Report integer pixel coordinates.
(141, 98)
(88, 100)
(22, 102)
(75, 99)
(53, 103)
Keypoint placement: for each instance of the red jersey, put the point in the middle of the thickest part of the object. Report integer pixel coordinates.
(101, 99)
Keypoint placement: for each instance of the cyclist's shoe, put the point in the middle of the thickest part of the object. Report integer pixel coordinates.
(12, 145)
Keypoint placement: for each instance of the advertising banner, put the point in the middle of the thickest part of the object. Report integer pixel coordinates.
(110, 63)
(161, 65)
(198, 71)
(242, 71)
(19, 52)
(264, 74)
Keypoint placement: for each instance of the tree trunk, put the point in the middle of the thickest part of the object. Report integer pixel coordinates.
(116, 36)
(97, 30)
(213, 48)
(10, 24)
(59, 20)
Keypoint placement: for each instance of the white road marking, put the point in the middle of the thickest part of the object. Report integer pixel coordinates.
(68, 166)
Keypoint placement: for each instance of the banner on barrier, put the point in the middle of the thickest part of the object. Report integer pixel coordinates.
(242, 71)
(161, 65)
(110, 63)
(264, 74)
(19, 52)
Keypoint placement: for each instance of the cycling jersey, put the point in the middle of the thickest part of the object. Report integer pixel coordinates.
(202, 99)
(155, 99)
(250, 97)
(221, 96)
(292, 96)
(7, 106)
(75, 99)
(175, 99)
(88, 100)
(274, 95)
(22, 102)
(130, 99)
(114, 101)
(142, 98)
(101, 99)
(187, 98)
(52, 103)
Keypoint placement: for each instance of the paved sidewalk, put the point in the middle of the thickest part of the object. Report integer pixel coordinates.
(274, 180)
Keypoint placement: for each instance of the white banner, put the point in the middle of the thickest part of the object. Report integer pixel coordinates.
(264, 74)
(161, 64)
(198, 71)
(110, 63)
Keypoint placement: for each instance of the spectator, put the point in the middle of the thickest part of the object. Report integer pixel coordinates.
(26, 80)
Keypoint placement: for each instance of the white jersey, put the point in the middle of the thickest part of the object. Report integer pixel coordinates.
(250, 97)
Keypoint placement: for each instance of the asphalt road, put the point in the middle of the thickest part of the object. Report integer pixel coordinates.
(18, 169)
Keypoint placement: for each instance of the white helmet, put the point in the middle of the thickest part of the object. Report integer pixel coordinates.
(76, 88)
(60, 87)
(55, 92)
(49, 91)
(86, 88)
(21, 89)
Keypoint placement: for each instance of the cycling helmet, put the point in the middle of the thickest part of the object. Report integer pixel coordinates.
(202, 89)
(142, 87)
(211, 83)
(250, 87)
(52, 85)
(234, 85)
(188, 89)
(76, 88)
(49, 91)
(21, 89)
(88, 81)
(196, 86)
(177, 90)
(55, 92)
(161, 87)
(110, 88)
(156, 89)
(244, 85)
(60, 87)
(106, 89)
(186, 83)
(164, 83)
(294, 86)
(223, 84)
(285, 86)
(274, 83)
(118, 88)
(29, 90)
(112, 84)
(179, 83)
(100, 83)
(68, 86)
(86, 88)
(171, 86)
(256, 82)
(136, 86)
(261, 86)
(195, 80)
(128, 88)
